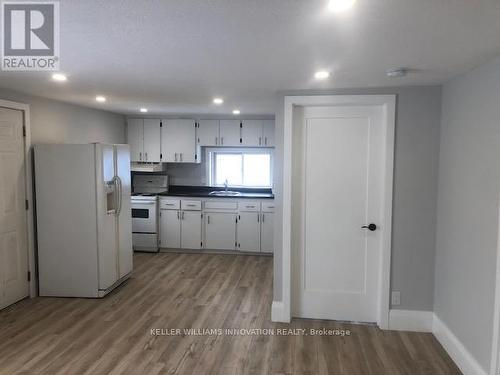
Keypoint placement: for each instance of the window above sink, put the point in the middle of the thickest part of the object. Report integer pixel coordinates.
(248, 167)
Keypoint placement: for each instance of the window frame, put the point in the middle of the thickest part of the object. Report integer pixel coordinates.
(211, 168)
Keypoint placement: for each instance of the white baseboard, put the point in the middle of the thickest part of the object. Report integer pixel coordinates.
(427, 321)
(277, 312)
(455, 349)
(418, 321)
(411, 320)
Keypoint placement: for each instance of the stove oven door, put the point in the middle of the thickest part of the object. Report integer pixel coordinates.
(144, 218)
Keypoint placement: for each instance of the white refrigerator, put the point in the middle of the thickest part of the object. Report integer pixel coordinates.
(83, 216)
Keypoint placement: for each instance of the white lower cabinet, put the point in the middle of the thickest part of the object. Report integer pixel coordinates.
(248, 231)
(170, 229)
(191, 229)
(220, 231)
(180, 229)
(244, 225)
(267, 232)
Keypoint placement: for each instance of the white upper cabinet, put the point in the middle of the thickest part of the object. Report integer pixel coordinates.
(268, 133)
(251, 133)
(229, 131)
(135, 138)
(152, 135)
(178, 141)
(143, 136)
(207, 133)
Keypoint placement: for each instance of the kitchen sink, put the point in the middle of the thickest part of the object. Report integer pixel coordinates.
(224, 193)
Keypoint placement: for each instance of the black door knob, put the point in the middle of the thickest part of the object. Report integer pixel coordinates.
(371, 227)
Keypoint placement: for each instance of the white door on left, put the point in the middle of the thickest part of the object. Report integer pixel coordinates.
(14, 284)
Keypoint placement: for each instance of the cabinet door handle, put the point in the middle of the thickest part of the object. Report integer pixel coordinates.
(258, 218)
(216, 141)
(183, 215)
(262, 217)
(260, 141)
(140, 156)
(222, 141)
(146, 156)
(180, 155)
(265, 141)
(176, 156)
(178, 216)
(208, 219)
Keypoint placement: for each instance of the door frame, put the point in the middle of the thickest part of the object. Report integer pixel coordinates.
(281, 311)
(495, 345)
(28, 181)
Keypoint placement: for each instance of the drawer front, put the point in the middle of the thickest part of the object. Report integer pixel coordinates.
(170, 204)
(268, 206)
(145, 242)
(217, 205)
(190, 205)
(248, 206)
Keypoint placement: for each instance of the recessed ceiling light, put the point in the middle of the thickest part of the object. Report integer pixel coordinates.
(59, 77)
(100, 98)
(396, 72)
(323, 74)
(218, 101)
(339, 6)
(143, 110)
(236, 112)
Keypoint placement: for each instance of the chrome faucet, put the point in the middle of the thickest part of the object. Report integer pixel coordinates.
(225, 185)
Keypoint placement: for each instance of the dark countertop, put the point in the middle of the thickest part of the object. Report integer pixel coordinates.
(204, 192)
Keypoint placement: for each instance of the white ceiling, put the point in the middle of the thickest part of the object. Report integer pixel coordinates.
(175, 56)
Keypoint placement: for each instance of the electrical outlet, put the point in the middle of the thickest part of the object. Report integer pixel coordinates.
(395, 298)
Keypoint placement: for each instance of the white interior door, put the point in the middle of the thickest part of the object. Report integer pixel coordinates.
(341, 189)
(124, 222)
(191, 229)
(13, 229)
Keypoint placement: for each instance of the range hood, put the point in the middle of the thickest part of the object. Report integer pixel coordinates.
(147, 167)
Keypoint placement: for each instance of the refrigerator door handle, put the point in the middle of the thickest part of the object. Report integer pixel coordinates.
(121, 195)
(118, 189)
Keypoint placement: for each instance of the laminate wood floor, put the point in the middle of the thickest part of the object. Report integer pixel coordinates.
(177, 291)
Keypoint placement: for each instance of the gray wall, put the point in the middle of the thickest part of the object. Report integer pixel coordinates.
(467, 215)
(415, 191)
(57, 122)
(187, 174)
